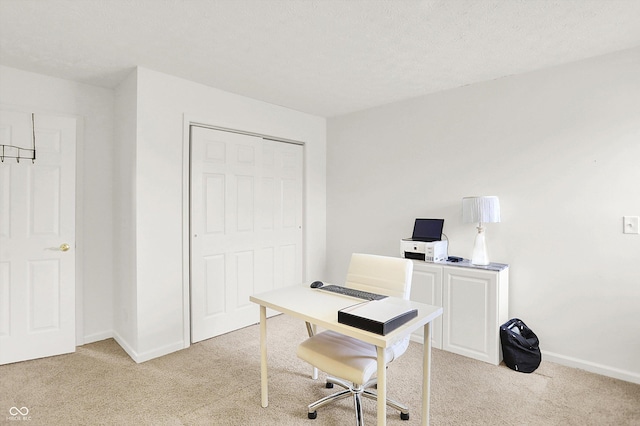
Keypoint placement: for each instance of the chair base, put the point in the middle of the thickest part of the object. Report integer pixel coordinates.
(357, 391)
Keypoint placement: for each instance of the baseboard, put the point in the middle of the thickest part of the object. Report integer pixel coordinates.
(149, 355)
(96, 337)
(420, 339)
(125, 346)
(417, 339)
(603, 370)
(158, 352)
(592, 367)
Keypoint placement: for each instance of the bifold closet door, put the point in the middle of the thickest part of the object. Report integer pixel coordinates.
(245, 226)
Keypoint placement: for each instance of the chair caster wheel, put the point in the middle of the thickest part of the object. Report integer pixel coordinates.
(328, 385)
(312, 415)
(404, 416)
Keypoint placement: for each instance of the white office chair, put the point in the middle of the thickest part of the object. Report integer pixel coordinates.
(351, 361)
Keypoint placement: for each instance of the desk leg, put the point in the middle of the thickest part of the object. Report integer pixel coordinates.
(314, 373)
(426, 374)
(382, 387)
(263, 357)
(311, 330)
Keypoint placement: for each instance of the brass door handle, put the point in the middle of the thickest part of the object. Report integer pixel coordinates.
(64, 247)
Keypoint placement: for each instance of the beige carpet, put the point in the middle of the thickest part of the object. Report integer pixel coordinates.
(217, 382)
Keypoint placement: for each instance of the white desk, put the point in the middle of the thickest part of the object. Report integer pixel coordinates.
(321, 308)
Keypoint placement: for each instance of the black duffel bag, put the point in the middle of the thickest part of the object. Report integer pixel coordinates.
(520, 346)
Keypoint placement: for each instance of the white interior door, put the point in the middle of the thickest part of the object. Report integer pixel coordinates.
(37, 216)
(246, 226)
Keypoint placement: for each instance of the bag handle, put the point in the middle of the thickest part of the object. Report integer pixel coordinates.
(518, 336)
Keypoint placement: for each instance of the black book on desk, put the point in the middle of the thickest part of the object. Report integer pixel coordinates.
(378, 316)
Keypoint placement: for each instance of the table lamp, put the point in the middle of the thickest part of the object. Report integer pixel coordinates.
(480, 210)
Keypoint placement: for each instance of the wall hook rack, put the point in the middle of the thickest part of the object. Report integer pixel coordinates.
(13, 151)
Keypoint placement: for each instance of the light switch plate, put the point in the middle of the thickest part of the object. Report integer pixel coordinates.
(631, 224)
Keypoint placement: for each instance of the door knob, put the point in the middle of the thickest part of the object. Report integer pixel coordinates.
(64, 247)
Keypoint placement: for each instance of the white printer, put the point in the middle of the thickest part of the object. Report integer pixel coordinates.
(425, 243)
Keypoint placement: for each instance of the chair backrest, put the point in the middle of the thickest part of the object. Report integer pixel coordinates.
(390, 276)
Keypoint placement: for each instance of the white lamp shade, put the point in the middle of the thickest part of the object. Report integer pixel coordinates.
(485, 209)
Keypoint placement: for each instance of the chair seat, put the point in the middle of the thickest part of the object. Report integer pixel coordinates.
(345, 357)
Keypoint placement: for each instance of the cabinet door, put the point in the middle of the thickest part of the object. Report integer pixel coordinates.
(426, 287)
(470, 319)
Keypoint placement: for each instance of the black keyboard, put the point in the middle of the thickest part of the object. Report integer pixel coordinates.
(360, 294)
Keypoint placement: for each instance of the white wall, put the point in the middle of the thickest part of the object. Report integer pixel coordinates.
(560, 147)
(94, 108)
(130, 193)
(163, 102)
(125, 312)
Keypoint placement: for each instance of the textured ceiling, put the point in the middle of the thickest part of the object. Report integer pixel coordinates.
(326, 57)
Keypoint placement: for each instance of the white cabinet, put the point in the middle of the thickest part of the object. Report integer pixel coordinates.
(426, 287)
(475, 301)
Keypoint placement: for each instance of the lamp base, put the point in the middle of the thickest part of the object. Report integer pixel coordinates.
(480, 256)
